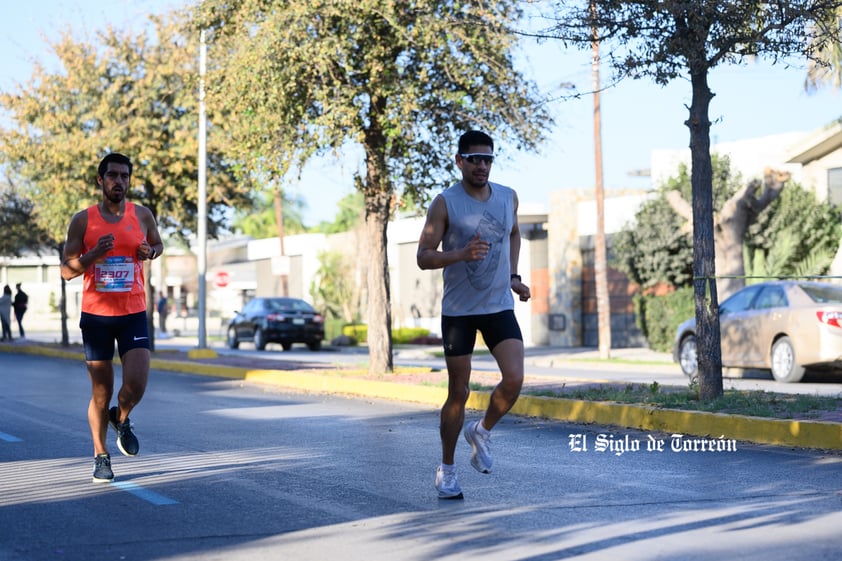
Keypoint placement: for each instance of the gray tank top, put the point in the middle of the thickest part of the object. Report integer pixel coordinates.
(478, 287)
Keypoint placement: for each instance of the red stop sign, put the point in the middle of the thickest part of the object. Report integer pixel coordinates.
(221, 279)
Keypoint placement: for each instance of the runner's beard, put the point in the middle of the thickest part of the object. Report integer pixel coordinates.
(115, 197)
(477, 183)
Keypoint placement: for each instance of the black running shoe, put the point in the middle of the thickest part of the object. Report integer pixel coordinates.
(126, 440)
(102, 469)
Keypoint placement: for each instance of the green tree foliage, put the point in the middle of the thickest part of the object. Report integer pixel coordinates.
(18, 222)
(658, 317)
(657, 248)
(796, 236)
(725, 182)
(333, 289)
(349, 214)
(668, 39)
(130, 94)
(258, 220)
(400, 80)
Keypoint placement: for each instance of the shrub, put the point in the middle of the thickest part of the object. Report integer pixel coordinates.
(405, 335)
(658, 317)
(357, 331)
(400, 336)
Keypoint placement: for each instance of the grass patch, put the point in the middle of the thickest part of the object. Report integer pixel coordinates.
(736, 402)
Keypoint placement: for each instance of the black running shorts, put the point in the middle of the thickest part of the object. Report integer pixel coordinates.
(459, 333)
(100, 332)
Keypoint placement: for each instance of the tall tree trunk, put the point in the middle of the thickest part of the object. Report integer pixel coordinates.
(378, 208)
(704, 269)
(377, 277)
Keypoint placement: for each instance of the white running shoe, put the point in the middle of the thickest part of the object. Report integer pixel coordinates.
(481, 457)
(447, 485)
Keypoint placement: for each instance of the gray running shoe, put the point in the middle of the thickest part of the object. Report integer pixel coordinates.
(126, 440)
(481, 457)
(102, 469)
(447, 485)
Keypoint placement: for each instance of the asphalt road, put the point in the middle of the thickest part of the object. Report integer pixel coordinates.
(234, 471)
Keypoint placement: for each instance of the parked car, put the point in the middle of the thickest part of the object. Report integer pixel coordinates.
(783, 326)
(277, 320)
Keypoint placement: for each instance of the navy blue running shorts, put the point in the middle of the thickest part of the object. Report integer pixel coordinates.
(459, 333)
(100, 332)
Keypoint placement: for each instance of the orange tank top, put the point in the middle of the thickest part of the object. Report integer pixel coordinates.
(114, 285)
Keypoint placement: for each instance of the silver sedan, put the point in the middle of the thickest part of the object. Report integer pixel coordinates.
(782, 326)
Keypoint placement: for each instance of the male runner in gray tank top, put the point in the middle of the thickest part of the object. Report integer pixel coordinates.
(475, 222)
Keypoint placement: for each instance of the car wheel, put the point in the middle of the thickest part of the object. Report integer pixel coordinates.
(259, 340)
(233, 343)
(314, 345)
(286, 346)
(784, 367)
(688, 359)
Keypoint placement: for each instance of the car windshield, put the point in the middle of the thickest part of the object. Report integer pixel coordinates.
(823, 293)
(287, 304)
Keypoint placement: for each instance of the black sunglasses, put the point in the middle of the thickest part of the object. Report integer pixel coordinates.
(477, 158)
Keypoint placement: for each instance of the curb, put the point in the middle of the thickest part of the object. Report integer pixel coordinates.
(793, 433)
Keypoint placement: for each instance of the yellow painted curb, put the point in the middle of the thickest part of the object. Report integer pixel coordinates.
(801, 434)
(42, 351)
(202, 353)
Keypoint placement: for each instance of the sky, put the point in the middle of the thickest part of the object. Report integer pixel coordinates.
(637, 116)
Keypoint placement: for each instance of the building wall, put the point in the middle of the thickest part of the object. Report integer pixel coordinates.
(624, 330)
(564, 269)
(815, 176)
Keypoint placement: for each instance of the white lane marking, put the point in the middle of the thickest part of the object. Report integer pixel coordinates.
(9, 437)
(145, 494)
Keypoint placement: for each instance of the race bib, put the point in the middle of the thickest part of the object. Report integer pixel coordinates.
(115, 274)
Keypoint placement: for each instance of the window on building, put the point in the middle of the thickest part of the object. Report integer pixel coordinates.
(834, 185)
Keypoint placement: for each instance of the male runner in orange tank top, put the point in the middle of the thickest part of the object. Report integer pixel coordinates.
(108, 243)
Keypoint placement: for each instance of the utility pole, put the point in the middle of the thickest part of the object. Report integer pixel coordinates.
(603, 299)
(202, 234)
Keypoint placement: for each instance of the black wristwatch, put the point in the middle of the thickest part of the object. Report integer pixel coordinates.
(515, 276)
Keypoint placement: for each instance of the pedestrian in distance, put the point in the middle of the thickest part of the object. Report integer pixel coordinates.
(21, 302)
(163, 311)
(107, 243)
(6, 312)
(475, 223)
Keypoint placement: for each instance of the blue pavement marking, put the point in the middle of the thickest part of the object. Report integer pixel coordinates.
(9, 437)
(145, 494)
